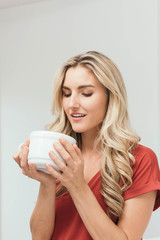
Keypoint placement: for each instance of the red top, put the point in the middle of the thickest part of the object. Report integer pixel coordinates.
(146, 178)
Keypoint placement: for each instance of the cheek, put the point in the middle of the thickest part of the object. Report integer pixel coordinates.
(100, 107)
(64, 105)
(65, 108)
(98, 104)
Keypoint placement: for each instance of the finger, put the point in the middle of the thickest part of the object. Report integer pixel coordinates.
(30, 171)
(53, 172)
(27, 142)
(57, 161)
(69, 148)
(24, 157)
(23, 152)
(33, 170)
(63, 153)
(78, 151)
(16, 155)
(26, 172)
(36, 174)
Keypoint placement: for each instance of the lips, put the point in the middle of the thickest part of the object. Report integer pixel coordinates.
(78, 115)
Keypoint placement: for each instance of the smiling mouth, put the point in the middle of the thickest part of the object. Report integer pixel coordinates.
(78, 115)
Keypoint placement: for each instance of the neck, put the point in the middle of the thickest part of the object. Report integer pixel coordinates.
(91, 155)
(88, 141)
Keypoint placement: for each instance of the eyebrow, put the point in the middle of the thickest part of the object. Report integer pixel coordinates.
(80, 87)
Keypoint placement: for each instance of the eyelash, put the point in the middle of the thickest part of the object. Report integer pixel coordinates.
(84, 94)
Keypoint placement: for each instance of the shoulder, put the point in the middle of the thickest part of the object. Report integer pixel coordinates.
(146, 167)
(144, 156)
(146, 174)
(141, 151)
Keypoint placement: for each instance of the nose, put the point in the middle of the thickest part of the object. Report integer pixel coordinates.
(74, 102)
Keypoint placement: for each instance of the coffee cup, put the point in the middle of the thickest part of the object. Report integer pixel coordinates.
(41, 143)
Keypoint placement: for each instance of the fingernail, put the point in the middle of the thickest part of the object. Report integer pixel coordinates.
(15, 155)
(51, 153)
(55, 144)
(61, 139)
(49, 166)
(25, 149)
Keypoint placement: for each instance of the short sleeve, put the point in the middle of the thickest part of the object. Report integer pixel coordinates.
(146, 175)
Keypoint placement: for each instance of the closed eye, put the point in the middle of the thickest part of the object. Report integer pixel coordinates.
(84, 94)
(87, 94)
(66, 95)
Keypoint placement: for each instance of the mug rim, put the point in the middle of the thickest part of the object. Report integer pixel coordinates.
(51, 134)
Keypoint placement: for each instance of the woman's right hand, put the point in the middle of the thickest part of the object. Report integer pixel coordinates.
(21, 157)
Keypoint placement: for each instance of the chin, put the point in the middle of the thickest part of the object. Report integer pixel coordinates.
(78, 130)
(81, 128)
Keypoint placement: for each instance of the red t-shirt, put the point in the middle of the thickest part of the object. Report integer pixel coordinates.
(146, 178)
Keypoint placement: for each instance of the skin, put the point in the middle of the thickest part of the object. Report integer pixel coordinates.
(83, 93)
(81, 166)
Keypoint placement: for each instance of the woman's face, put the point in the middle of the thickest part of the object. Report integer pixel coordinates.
(84, 99)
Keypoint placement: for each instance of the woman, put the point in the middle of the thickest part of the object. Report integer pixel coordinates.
(110, 183)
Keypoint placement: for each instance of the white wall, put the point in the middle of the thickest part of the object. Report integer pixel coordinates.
(35, 40)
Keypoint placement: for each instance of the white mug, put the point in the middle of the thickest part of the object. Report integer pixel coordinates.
(41, 143)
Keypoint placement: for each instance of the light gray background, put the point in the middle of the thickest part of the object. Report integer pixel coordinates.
(35, 40)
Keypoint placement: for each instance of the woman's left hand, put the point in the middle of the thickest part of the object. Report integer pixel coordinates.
(72, 171)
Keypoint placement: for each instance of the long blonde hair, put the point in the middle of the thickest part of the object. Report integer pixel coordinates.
(115, 138)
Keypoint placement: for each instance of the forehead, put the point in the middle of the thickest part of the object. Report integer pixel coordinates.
(76, 76)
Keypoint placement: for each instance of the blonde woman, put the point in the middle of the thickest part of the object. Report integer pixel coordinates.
(109, 184)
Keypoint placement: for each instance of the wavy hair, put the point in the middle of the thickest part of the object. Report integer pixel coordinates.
(116, 138)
